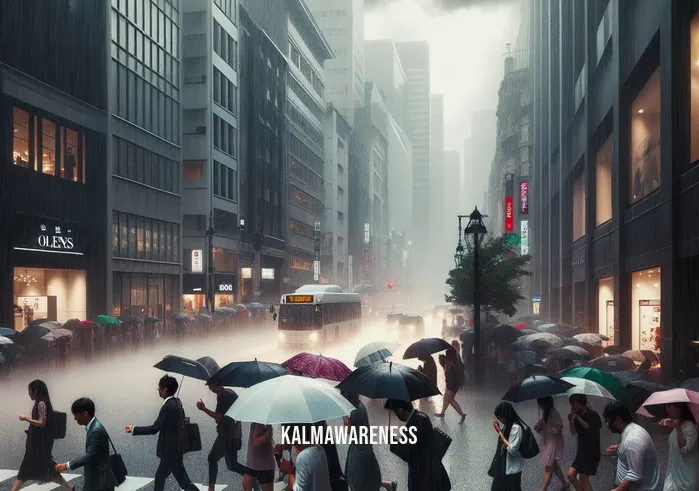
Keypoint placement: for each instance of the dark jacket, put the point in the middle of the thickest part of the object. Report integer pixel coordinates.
(170, 429)
(98, 473)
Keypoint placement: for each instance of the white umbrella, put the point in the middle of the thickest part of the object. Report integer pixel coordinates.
(587, 388)
(590, 338)
(375, 352)
(289, 399)
(4, 340)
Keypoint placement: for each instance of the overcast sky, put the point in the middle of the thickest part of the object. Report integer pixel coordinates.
(467, 45)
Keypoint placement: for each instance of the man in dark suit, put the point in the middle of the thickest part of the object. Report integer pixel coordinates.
(98, 472)
(170, 429)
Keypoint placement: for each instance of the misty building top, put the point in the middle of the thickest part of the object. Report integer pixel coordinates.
(310, 31)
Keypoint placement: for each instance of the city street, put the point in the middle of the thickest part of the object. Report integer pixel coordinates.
(124, 390)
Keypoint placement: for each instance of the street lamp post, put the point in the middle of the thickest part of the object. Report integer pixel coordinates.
(477, 229)
(210, 232)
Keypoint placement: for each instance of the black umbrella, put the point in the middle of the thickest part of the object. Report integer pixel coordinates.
(8, 333)
(640, 390)
(388, 380)
(568, 354)
(526, 357)
(614, 350)
(538, 369)
(32, 333)
(183, 366)
(614, 363)
(246, 373)
(210, 365)
(503, 334)
(425, 347)
(535, 387)
(627, 376)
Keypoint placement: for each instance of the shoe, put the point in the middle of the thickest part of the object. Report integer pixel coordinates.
(462, 419)
(394, 485)
(438, 415)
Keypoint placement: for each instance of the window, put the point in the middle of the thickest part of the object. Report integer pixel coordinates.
(604, 31)
(300, 229)
(579, 207)
(227, 141)
(20, 142)
(646, 320)
(225, 182)
(301, 260)
(136, 237)
(193, 170)
(644, 168)
(694, 88)
(141, 165)
(306, 201)
(225, 46)
(115, 234)
(225, 261)
(225, 223)
(228, 7)
(225, 92)
(603, 177)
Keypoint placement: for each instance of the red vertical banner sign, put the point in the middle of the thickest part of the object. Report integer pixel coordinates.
(509, 203)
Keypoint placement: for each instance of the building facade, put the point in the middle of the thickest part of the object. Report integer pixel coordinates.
(451, 201)
(210, 151)
(383, 67)
(613, 238)
(438, 222)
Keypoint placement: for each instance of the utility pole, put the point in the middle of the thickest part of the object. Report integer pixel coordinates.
(257, 276)
(211, 295)
(316, 251)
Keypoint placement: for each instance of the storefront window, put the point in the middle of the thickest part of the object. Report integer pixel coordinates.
(603, 171)
(225, 261)
(579, 207)
(192, 304)
(48, 145)
(644, 171)
(605, 294)
(53, 294)
(20, 142)
(645, 310)
(694, 89)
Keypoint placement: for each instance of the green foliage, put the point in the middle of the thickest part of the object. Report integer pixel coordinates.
(501, 268)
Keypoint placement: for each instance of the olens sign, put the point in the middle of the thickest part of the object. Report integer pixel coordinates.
(41, 234)
(509, 214)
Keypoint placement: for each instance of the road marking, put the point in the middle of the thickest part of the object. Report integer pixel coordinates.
(205, 487)
(134, 483)
(50, 485)
(5, 474)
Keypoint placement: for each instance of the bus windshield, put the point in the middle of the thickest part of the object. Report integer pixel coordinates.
(299, 317)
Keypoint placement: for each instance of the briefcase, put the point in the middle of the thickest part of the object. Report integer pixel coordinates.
(59, 425)
(192, 437)
(442, 441)
(117, 465)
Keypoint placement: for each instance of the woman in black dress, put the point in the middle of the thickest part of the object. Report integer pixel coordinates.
(453, 383)
(38, 464)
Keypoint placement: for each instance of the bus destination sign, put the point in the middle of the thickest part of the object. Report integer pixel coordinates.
(299, 299)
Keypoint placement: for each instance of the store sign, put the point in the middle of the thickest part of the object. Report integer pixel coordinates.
(225, 288)
(316, 270)
(197, 266)
(367, 235)
(267, 273)
(524, 237)
(509, 214)
(224, 283)
(38, 234)
(246, 273)
(524, 197)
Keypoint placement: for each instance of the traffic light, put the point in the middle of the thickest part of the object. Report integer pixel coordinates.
(390, 285)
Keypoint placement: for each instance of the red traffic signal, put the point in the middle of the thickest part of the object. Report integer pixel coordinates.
(390, 285)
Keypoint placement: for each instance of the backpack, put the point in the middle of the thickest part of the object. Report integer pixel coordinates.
(528, 448)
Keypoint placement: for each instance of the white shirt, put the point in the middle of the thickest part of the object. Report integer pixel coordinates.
(683, 463)
(312, 470)
(514, 463)
(638, 460)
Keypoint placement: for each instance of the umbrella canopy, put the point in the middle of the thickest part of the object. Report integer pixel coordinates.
(587, 388)
(539, 369)
(374, 352)
(151, 320)
(56, 334)
(246, 373)
(425, 347)
(614, 350)
(606, 380)
(591, 338)
(32, 333)
(290, 400)
(655, 404)
(586, 346)
(105, 320)
(640, 390)
(640, 356)
(613, 363)
(577, 350)
(526, 332)
(526, 357)
(545, 328)
(4, 340)
(535, 387)
(541, 337)
(209, 363)
(255, 306)
(318, 366)
(75, 324)
(8, 333)
(504, 334)
(521, 326)
(128, 319)
(389, 380)
(569, 353)
(183, 366)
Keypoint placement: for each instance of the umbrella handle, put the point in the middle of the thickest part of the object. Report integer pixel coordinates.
(180, 387)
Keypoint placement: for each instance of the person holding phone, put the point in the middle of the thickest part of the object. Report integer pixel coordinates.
(683, 459)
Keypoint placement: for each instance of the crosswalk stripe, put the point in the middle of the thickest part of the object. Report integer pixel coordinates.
(5, 474)
(134, 483)
(205, 487)
(49, 486)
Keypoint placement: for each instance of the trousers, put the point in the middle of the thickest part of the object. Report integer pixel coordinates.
(175, 466)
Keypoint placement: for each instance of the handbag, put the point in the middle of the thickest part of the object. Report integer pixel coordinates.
(528, 448)
(442, 441)
(192, 437)
(117, 464)
(59, 425)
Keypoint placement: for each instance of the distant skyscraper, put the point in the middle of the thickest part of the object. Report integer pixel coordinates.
(383, 68)
(466, 178)
(451, 203)
(437, 218)
(483, 132)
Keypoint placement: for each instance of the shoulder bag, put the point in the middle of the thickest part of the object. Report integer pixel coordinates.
(528, 448)
(442, 441)
(58, 425)
(117, 464)
(191, 437)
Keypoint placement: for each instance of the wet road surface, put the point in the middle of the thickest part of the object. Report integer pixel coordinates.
(124, 391)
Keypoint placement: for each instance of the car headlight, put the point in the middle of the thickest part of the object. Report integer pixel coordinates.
(314, 337)
(282, 337)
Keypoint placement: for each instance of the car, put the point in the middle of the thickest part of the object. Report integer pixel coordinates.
(414, 324)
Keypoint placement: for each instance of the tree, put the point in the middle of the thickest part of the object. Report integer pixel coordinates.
(501, 269)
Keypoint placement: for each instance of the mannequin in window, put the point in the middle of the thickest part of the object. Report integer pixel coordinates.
(70, 164)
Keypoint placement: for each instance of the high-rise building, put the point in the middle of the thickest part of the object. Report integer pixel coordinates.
(415, 59)
(451, 204)
(383, 68)
(400, 180)
(438, 221)
(342, 24)
(210, 153)
(483, 134)
(466, 203)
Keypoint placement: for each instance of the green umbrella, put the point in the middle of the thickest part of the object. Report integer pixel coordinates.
(105, 320)
(606, 380)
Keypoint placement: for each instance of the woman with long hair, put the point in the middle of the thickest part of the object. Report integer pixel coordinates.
(550, 427)
(507, 465)
(38, 464)
(683, 460)
(453, 382)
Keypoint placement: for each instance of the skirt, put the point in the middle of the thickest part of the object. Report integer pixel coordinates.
(37, 464)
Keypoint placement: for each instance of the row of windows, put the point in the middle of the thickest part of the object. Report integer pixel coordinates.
(306, 99)
(306, 155)
(304, 174)
(141, 165)
(42, 145)
(306, 126)
(306, 201)
(135, 237)
(302, 64)
(225, 223)
(225, 92)
(145, 295)
(225, 182)
(300, 229)
(225, 137)
(144, 105)
(225, 46)
(301, 260)
(229, 8)
(159, 24)
(144, 55)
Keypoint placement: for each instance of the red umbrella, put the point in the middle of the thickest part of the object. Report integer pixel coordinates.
(317, 366)
(76, 324)
(521, 325)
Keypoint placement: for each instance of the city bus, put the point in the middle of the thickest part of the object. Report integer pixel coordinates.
(317, 314)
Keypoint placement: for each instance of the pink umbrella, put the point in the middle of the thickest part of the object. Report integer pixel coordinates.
(521, 325)
(317, 366)
(670, 397)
